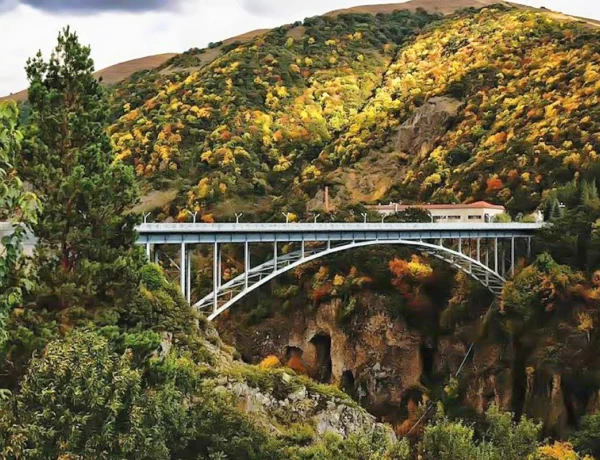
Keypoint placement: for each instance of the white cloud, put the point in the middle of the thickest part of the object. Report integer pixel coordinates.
(116, 36)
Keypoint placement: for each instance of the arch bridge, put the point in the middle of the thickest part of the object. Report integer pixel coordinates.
(486, 252)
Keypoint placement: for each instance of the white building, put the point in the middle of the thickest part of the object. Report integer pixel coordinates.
(478, 212)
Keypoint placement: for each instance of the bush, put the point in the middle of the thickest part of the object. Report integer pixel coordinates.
(153, 277)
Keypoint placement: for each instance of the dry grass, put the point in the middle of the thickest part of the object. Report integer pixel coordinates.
(156, 199)
(211, 54)
(433, 6)
(115, 73)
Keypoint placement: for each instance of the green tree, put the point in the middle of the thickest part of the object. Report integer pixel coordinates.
(82, 399)
(503, 439)
(587, 438)
(85, 252)
(447, 440)
(511, 440)
(19, 208)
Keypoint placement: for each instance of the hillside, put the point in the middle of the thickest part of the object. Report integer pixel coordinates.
(337, 101)
(119, 72)
(431, 6)
(417, 102)
(499, 103)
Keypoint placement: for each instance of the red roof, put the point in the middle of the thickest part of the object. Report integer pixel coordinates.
(477, 205)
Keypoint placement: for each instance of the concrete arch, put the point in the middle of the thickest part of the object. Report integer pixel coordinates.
(239, 287)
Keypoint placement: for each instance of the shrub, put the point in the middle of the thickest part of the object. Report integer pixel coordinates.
(270, 362)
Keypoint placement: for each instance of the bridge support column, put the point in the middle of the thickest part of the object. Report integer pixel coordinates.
(478, 249)
(528, 247)
(156, 254)
(182, 271)
(247, 263)
(512, 256)
(275, 256)
(496, 255)
(188, 267)
(302, 250)
(220, 271)
(215, 276)
(487, 261)
(148, 252)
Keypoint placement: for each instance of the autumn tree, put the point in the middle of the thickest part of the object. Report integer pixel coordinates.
(85, 251)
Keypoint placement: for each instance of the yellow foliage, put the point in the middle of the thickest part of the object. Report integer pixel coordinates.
(270, 362)
(559, 451)
(419, 270)
(586, 323)
(322, 274)
(338, 280)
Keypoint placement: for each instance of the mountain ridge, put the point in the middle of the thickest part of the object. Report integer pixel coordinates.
(118, 72)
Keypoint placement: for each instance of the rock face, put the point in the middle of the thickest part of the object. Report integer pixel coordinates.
(388, 367)
(278, 400)
(326, 414)
(371, 177)
(379, 363)
(417, 135)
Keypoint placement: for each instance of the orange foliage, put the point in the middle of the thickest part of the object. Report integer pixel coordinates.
(398, 267)
(493, 184)
(297, 365)
(320, 292)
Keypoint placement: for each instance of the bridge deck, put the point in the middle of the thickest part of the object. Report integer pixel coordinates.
(266, 232)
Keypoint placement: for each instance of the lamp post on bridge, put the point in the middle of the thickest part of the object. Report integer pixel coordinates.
(364, 214)
(193, 214)
(287, 217)
(316, 217)
(238, 216)
(148, 244)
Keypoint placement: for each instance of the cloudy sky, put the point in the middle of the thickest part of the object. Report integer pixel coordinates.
(120, 30)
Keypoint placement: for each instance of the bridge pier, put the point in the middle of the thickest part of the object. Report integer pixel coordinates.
(215, 276)
(512, 256)
(182, 271)
(247, 263)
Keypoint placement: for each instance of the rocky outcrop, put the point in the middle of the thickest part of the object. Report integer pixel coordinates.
(326, 414)
(428, 123)
(375, 359)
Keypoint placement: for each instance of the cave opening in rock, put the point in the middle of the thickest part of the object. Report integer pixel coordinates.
(322, 344)
(428, 360)
(519, 380)
(348, 383)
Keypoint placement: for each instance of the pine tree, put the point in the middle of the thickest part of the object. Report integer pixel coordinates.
(85, 255)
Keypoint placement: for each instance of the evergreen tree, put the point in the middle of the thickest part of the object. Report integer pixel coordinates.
(85, 253)
(556, 211)
(589, 194)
